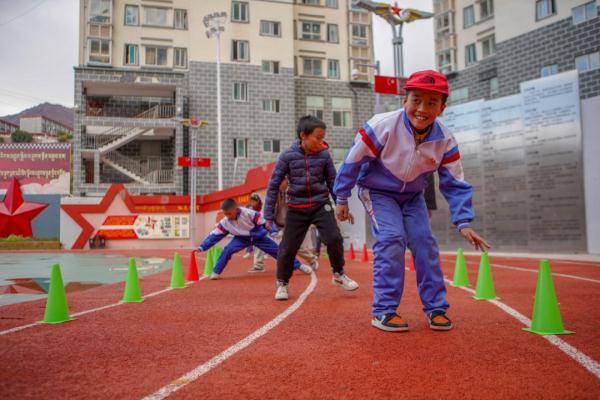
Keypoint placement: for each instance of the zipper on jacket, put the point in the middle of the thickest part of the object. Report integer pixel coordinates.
(409, 167)
(307, 178)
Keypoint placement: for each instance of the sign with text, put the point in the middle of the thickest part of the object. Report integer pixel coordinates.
(145, 226)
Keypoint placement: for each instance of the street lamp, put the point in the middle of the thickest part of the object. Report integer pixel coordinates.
(214, 24)
(377, 68)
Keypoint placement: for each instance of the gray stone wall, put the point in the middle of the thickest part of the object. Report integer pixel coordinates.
(521, 58)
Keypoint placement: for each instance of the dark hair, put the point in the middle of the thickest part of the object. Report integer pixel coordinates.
(228, 204)
(444, 96)
(308, 124)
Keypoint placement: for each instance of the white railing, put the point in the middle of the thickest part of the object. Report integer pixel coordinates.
(152, 169)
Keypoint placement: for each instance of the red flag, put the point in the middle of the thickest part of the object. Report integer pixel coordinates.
(386, 84)
(184, 161)
(202, 162)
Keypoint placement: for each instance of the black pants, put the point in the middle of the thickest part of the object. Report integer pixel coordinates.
(297, 222)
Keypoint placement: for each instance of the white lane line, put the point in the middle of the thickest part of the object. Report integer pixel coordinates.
(202, 369)
(92, 310)
(581, 358)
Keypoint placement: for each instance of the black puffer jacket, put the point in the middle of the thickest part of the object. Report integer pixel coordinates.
(310, 178)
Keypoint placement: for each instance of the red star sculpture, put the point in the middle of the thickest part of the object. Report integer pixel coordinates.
(15, 214)
(395, 9)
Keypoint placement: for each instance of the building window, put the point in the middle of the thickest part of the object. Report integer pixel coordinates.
(333, 69)
(457, 95)
(239, 11)
(488, 46)
(239, 50)
(311, 30)
(180, 57)
(270, 28)
(443, 23)
(240, 91)
(156, 16)
(585, 12)
(132, 15)
(588, 62)
(181, 19)
(272, 146)
(359, 35)
(156, 56)
(131, 54)
(549, 70)
(544, 9)
(100, 11)
(315, 106)
(445, 61)
(99, 51)
(312, 2)
(342, 111)
(470, 54)
(312, 67)
(240, 148)
(332, 33)
(331, 3)
(494, 86)
(270, 67)
(486, 9)
(468, 16)
(271, 106)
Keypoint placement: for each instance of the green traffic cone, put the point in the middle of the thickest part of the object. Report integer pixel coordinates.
(485, 284)
(461, 278)
(132, 292)
(177, 280)
(57, 309)
(209, 264)
(546, 318)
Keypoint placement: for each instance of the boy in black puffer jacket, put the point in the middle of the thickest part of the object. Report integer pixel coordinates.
(311, 173)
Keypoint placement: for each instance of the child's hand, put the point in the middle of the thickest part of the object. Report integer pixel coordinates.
(342, 212)
(268, 226)
(476, 240)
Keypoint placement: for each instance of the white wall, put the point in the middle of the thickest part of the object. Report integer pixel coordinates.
(590, 123)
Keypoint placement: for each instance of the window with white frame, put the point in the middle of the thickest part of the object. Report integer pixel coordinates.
(494, 86)
(312, 2)
(131, 54)
(311, 30)
(333, 69)
(271, 105)
(315, 106)
(460, 94)
(331, 3)
(588, 62)
(156, 16)
(443, 23)
(100, 11)
(240, 148)
(359, 35)
(333, 33)
(272, 146)
(585, 12)
(486, 9)
(239, 11)
(488, 46)
(99, 51)
(444, 59)
(549, 70)
(468, 16)
(312, 67)
(132, 15)
(239, 50)
(470, 54)
(270, 28)
(240, 91)
(180, 57)
(544, 9)
(342, 111)
(156, 56)
(270, 67)
(180, 18)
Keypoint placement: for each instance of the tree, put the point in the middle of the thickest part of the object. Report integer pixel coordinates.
(63, 136)
(20, 136)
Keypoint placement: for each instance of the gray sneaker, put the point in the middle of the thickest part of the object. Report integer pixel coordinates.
(344, 281)
(257, 269)
(306, 269)
(282, 291)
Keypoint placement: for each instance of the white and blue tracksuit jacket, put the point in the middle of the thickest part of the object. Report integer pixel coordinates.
(248, 230)
(392, 174)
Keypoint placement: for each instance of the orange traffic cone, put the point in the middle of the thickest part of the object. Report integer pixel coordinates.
(192, 272)
(365, 254)
(352, 253)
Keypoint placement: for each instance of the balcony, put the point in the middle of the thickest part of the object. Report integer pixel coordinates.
(123, 108)
(445, 41)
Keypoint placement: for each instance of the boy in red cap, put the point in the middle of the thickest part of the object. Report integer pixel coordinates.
(391, 158)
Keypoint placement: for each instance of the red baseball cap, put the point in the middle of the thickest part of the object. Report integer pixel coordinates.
(428, 80)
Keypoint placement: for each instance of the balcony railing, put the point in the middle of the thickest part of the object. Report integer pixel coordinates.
(159, 111)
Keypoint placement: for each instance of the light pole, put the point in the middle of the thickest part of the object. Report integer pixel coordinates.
(214, 24)
(377, 68)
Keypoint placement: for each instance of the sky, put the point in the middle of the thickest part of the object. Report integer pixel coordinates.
(38, 49)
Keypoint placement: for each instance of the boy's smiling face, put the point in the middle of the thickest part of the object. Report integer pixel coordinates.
(423, 107)
(313, 142)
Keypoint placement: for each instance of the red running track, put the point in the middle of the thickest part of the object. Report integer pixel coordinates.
(326, 349)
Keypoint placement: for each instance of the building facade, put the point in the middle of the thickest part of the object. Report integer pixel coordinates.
(144, 65)
(488, 47)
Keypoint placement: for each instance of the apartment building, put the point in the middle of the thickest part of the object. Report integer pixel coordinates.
(146, 64)
(488, 47)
